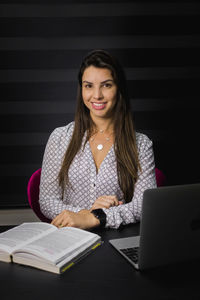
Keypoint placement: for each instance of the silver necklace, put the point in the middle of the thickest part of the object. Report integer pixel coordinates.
(101, 146)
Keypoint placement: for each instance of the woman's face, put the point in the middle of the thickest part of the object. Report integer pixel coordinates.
(99, 92)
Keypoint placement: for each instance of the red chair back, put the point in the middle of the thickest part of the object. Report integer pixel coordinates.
(33, 195)
(160, 178)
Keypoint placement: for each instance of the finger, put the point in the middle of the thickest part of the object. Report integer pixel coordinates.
(99, 205)
(54, 221)
(107, 202)
(96, 206)
(63, 224)
(113, 199)
(116, 201)
(61, 219)
(58, 221)
(101, 201)
(68, 220)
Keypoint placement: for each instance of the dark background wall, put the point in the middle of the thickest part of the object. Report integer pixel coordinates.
(41, 47)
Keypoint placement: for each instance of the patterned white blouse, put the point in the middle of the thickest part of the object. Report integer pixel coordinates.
(86, 185)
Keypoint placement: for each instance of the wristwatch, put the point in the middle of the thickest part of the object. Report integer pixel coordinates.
(100, 215)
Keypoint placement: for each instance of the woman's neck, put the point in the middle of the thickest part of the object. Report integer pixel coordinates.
(103, 125)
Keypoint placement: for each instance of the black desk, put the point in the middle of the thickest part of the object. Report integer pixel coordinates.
(103, 275)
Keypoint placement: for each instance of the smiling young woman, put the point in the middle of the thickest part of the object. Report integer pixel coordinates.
(96, 168)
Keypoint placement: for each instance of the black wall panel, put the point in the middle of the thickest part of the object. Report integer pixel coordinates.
(41, 46)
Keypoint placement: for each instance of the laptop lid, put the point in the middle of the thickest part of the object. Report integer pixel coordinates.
(170, 225)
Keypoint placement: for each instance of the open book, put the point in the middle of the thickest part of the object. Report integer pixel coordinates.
(44, 246)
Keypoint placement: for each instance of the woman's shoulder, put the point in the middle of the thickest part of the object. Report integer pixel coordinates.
(63, 132)
(143, 141)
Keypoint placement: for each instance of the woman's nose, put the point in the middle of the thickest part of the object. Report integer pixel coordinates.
(97, 94)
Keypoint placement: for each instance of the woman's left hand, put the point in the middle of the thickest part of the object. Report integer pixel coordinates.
(106, 201)
(83, 219)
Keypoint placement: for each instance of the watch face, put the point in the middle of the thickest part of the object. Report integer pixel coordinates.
(95, 213)
(100, 214)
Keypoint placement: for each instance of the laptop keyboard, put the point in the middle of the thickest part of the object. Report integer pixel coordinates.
(131, 253)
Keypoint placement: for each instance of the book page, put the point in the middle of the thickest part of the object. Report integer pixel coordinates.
(20, 235)
(57, 245)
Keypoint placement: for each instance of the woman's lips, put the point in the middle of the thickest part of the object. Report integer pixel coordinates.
(98, 106)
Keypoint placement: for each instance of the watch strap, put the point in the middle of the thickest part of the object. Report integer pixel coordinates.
(100, 215)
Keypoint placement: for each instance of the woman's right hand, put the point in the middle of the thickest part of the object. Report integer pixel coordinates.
(106, 202)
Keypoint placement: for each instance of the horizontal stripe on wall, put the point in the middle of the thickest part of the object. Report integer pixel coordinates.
(17, 139)
(21, 155)
(71, 74)
(57, 27)
(19, 169)
(19, 184)
(62, 59)
(12, 201)
(98, 42)
(175, 157)
(41, 2)
(24, 139)
(34, 91)
(164, 88)
(97, 9)
(174, 148)
(65, 91)
(33, 154)
(60, 107)
(33, 123)
(37, 107)
(174, 118)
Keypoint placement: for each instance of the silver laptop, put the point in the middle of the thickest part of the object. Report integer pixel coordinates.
(169, 228)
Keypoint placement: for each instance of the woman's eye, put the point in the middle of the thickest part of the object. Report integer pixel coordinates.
(107, 85)
(88, 86)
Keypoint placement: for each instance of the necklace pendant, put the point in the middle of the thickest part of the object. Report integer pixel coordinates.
(100, 147)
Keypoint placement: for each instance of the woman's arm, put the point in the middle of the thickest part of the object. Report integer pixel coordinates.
(83, 219)
(50, 200)
(131, 212)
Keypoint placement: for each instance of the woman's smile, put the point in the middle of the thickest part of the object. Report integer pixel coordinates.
(98, 106)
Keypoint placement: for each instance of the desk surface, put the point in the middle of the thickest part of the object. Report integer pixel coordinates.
(104, 274)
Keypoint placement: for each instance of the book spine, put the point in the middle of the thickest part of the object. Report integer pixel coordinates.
(82, 255)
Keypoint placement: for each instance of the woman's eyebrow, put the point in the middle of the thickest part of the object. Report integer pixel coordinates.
(86, 81)
(107, 80)
(101, 82)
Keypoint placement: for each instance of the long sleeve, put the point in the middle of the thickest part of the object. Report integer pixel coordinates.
(131, 212)
(50, 200)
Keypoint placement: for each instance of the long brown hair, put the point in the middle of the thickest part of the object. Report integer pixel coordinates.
(124, 132)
